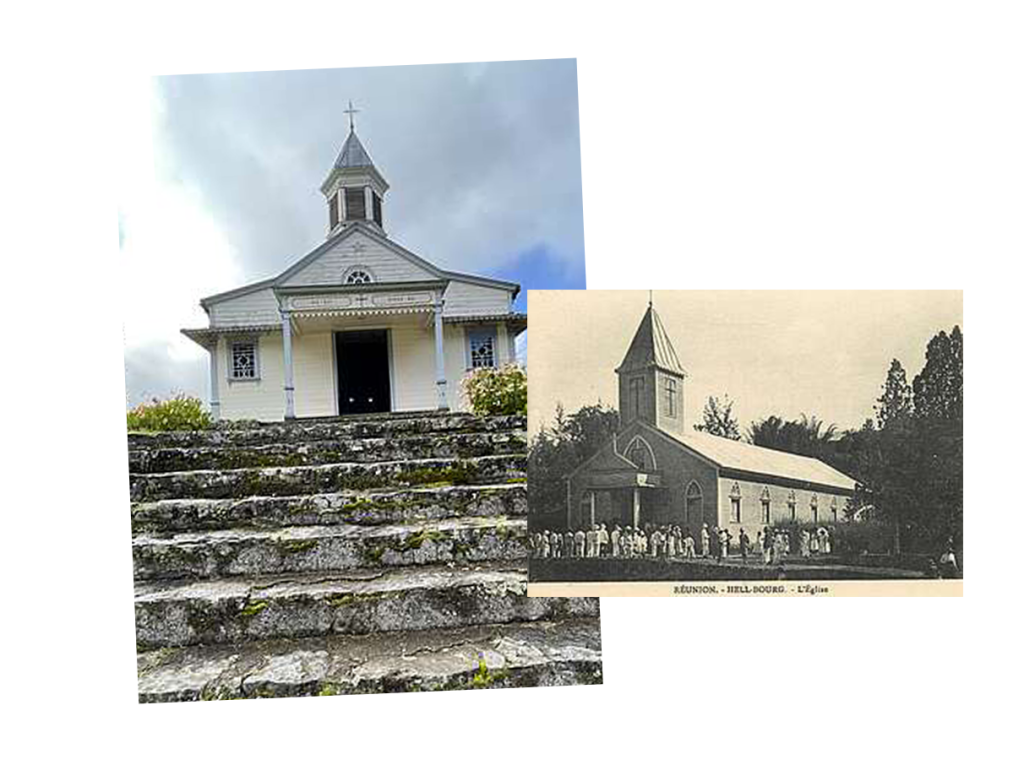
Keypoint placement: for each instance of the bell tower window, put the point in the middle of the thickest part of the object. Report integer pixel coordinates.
(378, 215)
(636, 393)
(355, 204)
(333, 208)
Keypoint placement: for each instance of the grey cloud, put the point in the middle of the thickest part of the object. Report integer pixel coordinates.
(483, 159)
(151, 372)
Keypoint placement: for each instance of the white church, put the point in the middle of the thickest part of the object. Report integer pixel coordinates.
(358, 325)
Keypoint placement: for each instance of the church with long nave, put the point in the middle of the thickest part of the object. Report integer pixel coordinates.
(658, 470)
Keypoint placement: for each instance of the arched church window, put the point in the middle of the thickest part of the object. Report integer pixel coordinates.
(670, 395)
(694, 502)
(636, 389)
(358, 276)
(640, 454)
(814, 508)
(766, 507)
(792, 505)
(835, 510)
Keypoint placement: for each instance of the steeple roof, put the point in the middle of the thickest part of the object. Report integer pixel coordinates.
(651, 347)
(353, 154)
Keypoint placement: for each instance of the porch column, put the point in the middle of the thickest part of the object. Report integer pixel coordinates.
(442, 384)
(593, 508)
(636, 507)
(289, 385)
(214, 379)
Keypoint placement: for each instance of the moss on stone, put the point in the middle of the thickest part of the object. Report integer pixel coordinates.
(295, 546)
(251, 609)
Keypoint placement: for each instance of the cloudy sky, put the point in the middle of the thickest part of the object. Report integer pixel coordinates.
(819, 352)
(219, 180)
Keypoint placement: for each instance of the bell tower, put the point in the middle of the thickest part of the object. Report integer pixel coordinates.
(354, 188)
(651, 378)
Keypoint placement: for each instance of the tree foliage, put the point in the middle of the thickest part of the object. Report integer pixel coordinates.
(808, 436)
(911, 465)
(559, 449)
(718, 419)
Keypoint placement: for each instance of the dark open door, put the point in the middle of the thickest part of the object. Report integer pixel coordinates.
(364, 380)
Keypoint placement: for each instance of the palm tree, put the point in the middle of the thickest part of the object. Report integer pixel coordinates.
(808, 435)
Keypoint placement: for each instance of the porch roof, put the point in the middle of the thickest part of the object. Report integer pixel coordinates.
(207, 335)
(516, 320)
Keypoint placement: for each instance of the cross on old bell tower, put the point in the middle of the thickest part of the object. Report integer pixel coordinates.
(354, 188)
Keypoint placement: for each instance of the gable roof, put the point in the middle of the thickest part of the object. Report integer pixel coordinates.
(737, 455)
(651, 347)
(338, 239)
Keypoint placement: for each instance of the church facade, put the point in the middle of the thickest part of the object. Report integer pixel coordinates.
(655, 471)
(358, 325)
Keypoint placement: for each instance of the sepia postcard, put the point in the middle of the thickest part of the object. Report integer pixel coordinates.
(746, 443)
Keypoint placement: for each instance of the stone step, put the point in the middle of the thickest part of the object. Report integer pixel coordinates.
(540, 653)
(176, 614)
(325, 452)
(316, 479)
(242, 552)
(349, 507)
(326, 429)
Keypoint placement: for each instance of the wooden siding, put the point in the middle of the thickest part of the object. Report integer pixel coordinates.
(465, 299)
(386, 265)
(258, 307)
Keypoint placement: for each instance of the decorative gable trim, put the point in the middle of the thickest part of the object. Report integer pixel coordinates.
(640, 441)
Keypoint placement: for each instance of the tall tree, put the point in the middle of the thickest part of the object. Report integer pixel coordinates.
(557, 451)
(808, 436)
(896, 401)
(718, 419)
(939, 388)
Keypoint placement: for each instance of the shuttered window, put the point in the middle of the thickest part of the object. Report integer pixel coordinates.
(378, 215)
(355, 204)
(333, 205)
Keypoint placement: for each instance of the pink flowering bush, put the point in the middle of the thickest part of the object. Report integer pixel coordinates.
(178, 413)
(499, 390)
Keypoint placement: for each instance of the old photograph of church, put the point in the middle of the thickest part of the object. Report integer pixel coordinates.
(745, 436)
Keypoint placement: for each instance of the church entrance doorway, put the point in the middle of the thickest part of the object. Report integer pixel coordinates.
(364, 378)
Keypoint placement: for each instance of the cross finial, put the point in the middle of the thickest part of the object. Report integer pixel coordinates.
(650, 298)
(351, 112)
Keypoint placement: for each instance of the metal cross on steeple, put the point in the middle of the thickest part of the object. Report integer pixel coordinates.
(351, 116)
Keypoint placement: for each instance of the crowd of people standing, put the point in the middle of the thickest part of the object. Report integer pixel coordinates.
(675, 542)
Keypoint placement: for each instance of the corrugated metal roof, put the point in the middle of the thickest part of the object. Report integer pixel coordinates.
(738, 455)
(651, 347)
(353, 154)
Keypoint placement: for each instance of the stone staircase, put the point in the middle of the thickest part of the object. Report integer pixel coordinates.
(345, 555)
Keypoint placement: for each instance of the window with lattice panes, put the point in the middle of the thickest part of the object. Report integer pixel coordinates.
(482, 350)
(358, 276)
(243, 360)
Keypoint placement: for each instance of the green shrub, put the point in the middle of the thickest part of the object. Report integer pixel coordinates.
(496, 391)
(178, 413)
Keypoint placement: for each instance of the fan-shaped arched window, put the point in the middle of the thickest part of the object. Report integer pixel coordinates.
(358, 276)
